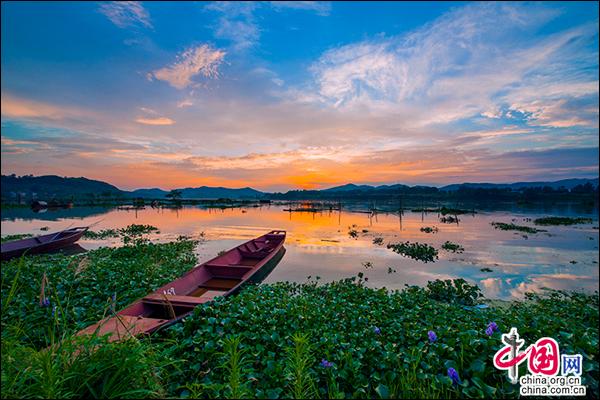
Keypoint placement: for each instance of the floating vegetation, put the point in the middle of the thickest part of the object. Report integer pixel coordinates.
(391, 270)
(102, 234)
(453, 247)
(365, 231)
(44, 228)
(455, 211)
(417, 251)
(426, 210)
(562, 221)
(429, 229)
(367, 264)
(352, 232)
(512, 227)
(378, 241)
(18, 236)
(330, 240)
(486, 269)
(449, 220)
(281, 340)
(573, 262)
(131, 233)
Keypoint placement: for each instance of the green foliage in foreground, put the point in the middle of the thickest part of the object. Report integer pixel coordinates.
(81, 288)
(367, 343)
(10, 238)
(561, 221)
(338, 340)
(417, 251)
(512, 227)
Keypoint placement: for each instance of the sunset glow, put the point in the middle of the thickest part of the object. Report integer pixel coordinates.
(279, 96)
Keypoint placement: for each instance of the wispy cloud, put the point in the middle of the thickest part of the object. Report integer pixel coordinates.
(19, 108)
(126, 13)
(238, 23)
(155, 121)
(202, 60)
(320, 7)
(470, 62)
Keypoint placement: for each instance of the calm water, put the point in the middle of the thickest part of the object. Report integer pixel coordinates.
(318, 244)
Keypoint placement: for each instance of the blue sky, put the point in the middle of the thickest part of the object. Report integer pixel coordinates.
(279, 95)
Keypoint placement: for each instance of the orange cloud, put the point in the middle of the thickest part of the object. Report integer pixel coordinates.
(155, 121)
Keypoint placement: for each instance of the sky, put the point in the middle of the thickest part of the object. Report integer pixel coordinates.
(308, 95)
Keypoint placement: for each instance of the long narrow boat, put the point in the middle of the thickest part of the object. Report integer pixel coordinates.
(222, 276)
(43, 243)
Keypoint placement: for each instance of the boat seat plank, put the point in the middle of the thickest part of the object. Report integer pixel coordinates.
(160, 298)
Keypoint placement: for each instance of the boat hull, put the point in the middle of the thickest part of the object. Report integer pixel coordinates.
(42, 244)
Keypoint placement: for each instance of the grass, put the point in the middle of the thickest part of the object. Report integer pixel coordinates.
(429, 229)
(562, 221)
(512, 227)
(417, 251)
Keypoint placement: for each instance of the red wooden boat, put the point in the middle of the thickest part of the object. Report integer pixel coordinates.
(221, 276)
(43, 243)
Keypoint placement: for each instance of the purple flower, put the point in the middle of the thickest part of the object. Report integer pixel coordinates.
(452, 374)
(376, 330)
(432, 336)
(45, 302)
(493, 326)
(489, 331)
(326, 364)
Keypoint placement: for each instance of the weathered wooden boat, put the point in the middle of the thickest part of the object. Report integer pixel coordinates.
(42, 244)
(222, 276)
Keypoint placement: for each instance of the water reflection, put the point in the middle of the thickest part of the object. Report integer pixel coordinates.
(318, 243)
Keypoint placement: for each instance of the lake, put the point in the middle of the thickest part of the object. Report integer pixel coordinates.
(319, 244)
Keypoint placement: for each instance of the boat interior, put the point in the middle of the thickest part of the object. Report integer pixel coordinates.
(207, 281)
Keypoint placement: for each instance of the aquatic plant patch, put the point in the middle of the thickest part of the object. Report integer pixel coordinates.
(344, 340)
(512, 227)
(18, 236)
(453, 247)
(417, 251)
(449, 219)
(455, 211)
(80, 290)
(429, 229)
(562, 221)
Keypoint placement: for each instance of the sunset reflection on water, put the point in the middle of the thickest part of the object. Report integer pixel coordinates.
(318, 244)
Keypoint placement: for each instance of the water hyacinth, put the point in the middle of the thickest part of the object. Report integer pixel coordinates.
(376, 330)
(453, 374)
(491, 328)
(45, 302)
(432, 336)
(326, 364)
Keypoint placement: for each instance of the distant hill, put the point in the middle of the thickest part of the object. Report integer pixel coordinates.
(154, 193)
(202, 192)
(352, 187)
(566, 183)
(48, 187)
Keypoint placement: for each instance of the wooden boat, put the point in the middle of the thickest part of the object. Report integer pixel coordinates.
(43, 243)
(222, 276)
